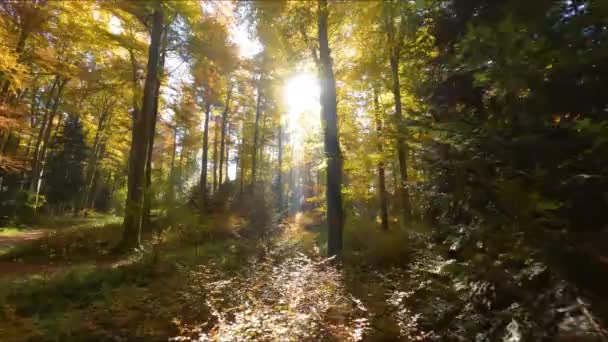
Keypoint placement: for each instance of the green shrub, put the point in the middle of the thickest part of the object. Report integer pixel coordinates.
(366, 243)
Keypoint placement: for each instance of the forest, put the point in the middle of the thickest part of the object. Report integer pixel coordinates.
(313, 170)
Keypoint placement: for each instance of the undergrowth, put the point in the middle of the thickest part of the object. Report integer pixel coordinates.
(108, 297)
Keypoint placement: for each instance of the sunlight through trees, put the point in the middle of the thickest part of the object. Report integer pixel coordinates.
(303, 170)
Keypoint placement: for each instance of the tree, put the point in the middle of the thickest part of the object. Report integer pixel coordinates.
(142, 125)
(223, 145)
(382, 195)
(204, 164)
(65, 171)
(329, 117)
(395, 25)
(256, 133)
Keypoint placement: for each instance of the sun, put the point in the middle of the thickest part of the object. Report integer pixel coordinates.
(302, 99)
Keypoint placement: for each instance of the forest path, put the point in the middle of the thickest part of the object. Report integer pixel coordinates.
(282, 294)
(11, 238)
(52, 247)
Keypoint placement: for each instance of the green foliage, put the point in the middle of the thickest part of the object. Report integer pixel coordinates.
(26, 206)
(366, 244)
(65, 169)
(68, 245)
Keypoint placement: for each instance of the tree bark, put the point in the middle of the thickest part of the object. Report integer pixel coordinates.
(227, 148)
(46, 135)
(96, 155)
(215, 156)
(171, 190)
(94, 182)
(223, 137)
(395, 37)
(280, 168)
(43, 124)
(401, 145)
(331, 141)
(256, 132)
(204, 164)
(141, 128)
(242, 161)
(152, 133)
(261, 143)
(381, 167)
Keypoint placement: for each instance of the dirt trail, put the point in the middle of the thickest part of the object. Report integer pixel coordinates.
(7, 241)
(281, 294)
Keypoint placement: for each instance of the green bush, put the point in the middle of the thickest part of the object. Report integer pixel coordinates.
(366, 243)
(26, 206)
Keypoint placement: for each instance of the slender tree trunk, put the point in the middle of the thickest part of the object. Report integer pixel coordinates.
(291, 187)
(171, 192)
(181, 169)
(227, 148)
(280, 168)
(256, 132)
(204, 165)
(141, 127)
(261, 145)
(242, 161)
(381, 167)
(223, 137)
(401, 145)
(92, 163)
(43, 124)
(94, 182)
(30, 140)
(332, 144)
(151, 135)
(135, 131)
(215, 156)
(46, 137)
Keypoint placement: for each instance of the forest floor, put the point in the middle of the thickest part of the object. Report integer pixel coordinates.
(271, 287)
(11, 237)
(37, 249)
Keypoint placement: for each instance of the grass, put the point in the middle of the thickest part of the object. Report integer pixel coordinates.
(11, 231)
(93, 295)
(363, 241)
(68, 244)
(135, 301)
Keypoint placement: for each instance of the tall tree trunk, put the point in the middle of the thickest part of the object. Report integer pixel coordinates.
(223, 137)
(395, 30)
(227, 142)
(204, 165)
(141, 128)
(381, 168)
(95, 156)
(215, 156)
(136, 115)
(94, 182)
(182, 170)
(291, 185)
(256, 132)
(242, 161)
(261, 144)
(46, 137)
(152, 133)
(332, 144)
(30, 140)
(42, 129)
(280, 168)
(401, 145)
(171, 192)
